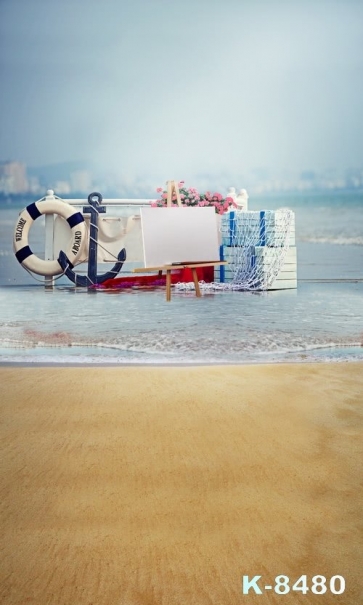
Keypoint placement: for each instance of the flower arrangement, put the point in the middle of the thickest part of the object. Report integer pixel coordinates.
(191, 197)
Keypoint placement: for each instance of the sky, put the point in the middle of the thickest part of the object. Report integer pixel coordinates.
(179, 88)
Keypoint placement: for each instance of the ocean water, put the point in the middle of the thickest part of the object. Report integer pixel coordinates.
(320, 321)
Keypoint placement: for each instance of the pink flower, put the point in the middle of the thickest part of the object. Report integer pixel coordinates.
(190, 197)
(217, 196)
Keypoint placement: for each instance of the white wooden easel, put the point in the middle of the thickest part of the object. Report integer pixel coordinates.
(172, 187)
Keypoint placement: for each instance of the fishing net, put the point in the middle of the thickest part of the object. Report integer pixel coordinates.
(255, 245)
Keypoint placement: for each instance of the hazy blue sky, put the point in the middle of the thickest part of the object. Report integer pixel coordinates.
(170, 87)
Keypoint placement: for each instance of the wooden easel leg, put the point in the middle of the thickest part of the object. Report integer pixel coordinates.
(172, 186)
(168, 285)
(169, 193)
(196, 282)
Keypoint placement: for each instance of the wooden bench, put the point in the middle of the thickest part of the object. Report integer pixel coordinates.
(186, 265)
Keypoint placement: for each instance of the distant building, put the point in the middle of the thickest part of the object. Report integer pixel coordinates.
(81, 180)
(353, 178)
(34, 185)
(13, 177)
(62, 188)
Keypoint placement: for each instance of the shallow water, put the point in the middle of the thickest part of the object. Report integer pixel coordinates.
(227, 327)
(320, 321)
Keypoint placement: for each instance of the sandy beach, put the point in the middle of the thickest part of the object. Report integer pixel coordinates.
(164, 486)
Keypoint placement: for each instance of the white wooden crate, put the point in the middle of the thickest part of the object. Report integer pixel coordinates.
(254, 228)
(263, 257)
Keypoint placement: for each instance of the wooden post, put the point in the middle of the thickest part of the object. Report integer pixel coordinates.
(49, 252)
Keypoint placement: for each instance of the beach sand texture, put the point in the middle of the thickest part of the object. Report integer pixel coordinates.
(164, 486)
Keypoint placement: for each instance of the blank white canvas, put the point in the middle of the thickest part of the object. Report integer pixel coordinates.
(178, 234)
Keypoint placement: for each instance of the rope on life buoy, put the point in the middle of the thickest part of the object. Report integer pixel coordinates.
(22, 250)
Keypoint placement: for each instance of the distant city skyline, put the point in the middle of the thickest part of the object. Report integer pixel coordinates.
(160, 90)
(70, 178)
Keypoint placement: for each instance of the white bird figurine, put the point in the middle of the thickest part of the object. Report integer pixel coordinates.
(242, 200)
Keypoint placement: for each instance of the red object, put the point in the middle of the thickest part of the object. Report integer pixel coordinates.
(140, 281)
(204, 274)
(182, 275)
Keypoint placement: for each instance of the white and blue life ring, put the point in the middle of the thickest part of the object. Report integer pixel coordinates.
(21, 244)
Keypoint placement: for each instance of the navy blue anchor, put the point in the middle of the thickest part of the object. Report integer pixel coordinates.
(91, 279)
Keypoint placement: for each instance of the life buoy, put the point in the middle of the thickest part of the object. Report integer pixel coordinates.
(27, 217)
